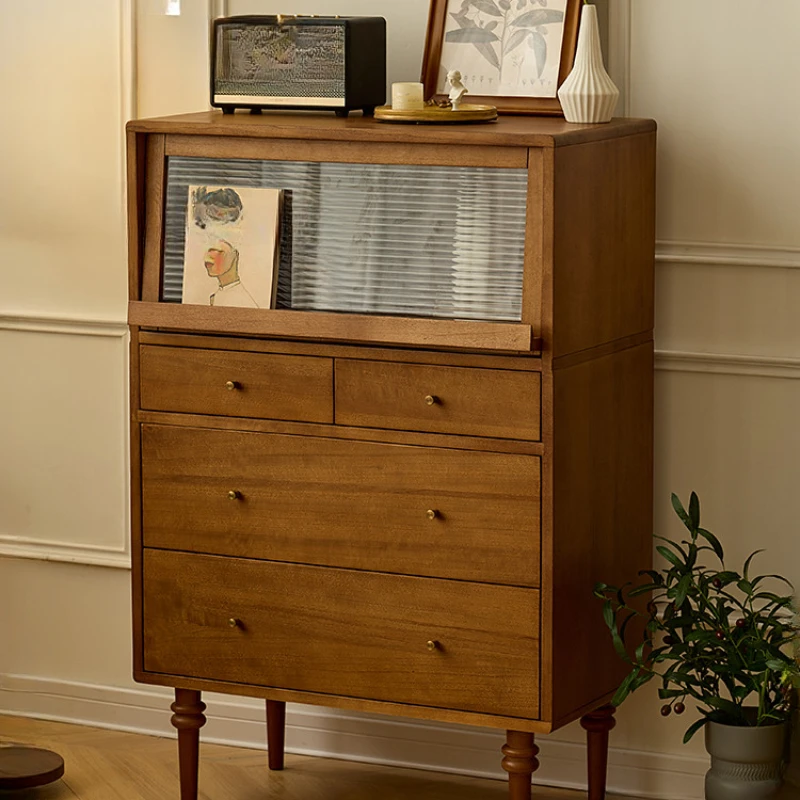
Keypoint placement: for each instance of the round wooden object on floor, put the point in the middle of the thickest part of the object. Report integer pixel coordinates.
(26, 767)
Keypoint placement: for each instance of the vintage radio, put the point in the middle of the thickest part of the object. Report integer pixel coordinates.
(321, 63)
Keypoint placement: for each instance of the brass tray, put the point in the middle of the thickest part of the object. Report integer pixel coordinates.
(436, 115)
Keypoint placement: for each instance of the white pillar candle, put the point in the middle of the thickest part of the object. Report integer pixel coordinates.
(407, 97)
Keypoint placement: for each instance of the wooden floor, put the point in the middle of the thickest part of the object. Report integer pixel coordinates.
(110, 765)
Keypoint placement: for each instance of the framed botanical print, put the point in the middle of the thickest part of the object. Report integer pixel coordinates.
(513, 54)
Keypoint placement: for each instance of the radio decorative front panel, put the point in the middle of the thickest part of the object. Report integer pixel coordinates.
(393, 487)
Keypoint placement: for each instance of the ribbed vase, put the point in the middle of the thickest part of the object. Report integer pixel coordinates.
(746, 763)
(588, 94)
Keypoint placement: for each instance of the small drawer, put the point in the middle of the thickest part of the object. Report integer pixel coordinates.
(475, 402)
(234, 384)
(359, 634)
(428, 511)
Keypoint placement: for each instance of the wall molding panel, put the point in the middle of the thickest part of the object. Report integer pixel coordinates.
(116, 555)
(66, 552)
(372, 739)
(727, 255)
(74, 326)
(723, 364)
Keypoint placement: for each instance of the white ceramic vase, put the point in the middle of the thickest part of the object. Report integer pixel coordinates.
(588, 94)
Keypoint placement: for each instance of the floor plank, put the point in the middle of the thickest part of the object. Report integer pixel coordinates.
(113, 765)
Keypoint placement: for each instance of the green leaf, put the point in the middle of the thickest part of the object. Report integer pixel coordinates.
(670, 556)
(694, 511)
(713, 541)
(471, 36)
(681, 511)
(624, 625)
(760, 578)
(624, 688)
(684, 585)
(643, 589)
(540, 16)
(726, 706)
(693, 728)
(608, 613)
(727, 577)
(747, 563)
(619, 645)
(745, 587)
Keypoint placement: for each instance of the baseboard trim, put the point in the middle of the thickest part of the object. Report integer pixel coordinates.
(390, 741)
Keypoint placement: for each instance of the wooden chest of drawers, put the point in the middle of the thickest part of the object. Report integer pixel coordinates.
(397, 514)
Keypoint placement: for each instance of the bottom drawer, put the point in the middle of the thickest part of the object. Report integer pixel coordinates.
(343, 632)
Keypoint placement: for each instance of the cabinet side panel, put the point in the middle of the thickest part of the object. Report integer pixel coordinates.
(604, 251)
(154, 219)
(136, 503)
(535, 244)
(135, 187)
(603, 513)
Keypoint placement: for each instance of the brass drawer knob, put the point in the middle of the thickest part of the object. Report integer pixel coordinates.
(234, 495)
(432, 400)
(432, 645)
(432, 513)
(232, 386)
(234, 623)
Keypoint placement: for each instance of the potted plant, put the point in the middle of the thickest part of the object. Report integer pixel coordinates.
(719, 638)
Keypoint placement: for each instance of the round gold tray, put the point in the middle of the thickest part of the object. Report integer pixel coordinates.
(435, 115)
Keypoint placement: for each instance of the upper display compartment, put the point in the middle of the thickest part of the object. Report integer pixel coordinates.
(307, 226)
(437, 242)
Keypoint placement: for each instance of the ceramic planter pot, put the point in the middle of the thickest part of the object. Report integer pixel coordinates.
(746, 763)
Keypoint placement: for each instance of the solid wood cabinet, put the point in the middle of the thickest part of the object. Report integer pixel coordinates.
(395, 490)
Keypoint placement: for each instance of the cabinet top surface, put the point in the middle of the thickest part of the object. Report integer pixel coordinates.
(509, 131)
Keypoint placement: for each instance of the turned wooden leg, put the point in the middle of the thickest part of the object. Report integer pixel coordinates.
(276, 733)
(519, 761)
(597, 726)
(188, 718)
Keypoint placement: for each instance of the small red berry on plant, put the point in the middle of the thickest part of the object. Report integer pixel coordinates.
(679, 708)
(666, 710)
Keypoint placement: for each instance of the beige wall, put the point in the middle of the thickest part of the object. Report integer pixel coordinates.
(720, 81)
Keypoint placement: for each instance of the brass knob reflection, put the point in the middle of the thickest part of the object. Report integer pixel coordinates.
(232, 385)
(234, 495)
(233, 622)
(432, 645)
(431, 400)
(432, 513)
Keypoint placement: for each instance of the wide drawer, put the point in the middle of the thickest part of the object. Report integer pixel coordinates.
(383, 507)
(475, 402)
(342, 632)
(226, 383)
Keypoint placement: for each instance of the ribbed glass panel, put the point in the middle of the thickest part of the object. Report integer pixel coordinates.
(427, 241)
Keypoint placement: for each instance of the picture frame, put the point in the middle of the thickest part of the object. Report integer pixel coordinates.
(231, 246)
(506, 46)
